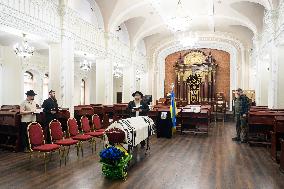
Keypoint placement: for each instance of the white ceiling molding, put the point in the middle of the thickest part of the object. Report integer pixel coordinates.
(118, 19)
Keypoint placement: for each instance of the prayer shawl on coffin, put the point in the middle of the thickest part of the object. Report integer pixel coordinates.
(136, 129)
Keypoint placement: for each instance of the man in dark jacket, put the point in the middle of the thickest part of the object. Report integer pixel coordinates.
(138, 107)
(241, 112)
(50, 108)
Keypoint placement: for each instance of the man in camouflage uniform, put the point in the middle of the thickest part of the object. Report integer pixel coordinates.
(241, 112)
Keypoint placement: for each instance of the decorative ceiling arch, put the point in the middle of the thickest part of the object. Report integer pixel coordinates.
(253, 11)
(116, 20)
(96, 9)
(267, 4)
(155, 28)
(133, 25)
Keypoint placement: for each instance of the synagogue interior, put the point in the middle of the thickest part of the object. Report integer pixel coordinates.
(162, 94)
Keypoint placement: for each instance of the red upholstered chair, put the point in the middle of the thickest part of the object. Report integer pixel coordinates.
(85, 124)
(37, 143)
(97, 123)
(57, 137)
(74, 134)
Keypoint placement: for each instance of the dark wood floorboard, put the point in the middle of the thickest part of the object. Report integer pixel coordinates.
(184, 162)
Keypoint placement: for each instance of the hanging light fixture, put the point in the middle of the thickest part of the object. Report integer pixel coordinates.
(180, 20)
(187, 39)
(117, 71)
(85, 65)
(24, 50)
(138, 75)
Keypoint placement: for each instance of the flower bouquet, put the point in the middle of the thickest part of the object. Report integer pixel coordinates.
(114, 161)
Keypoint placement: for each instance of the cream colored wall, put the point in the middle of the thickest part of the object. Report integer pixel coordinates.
(12, 88)
(264, 83)
(117, 87)
(11, 78)
(280, 94)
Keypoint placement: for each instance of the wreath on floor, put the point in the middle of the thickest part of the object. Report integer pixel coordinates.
(114, 162)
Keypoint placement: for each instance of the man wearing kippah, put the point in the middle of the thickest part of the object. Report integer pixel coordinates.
(241, 112)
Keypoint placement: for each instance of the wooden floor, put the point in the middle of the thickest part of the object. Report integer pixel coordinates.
(185, 162)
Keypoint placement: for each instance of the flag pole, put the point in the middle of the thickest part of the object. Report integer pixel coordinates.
(173, 109)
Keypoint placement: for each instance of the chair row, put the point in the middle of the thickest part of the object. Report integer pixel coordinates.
(59, 142)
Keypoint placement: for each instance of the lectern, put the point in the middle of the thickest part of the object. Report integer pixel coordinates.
(164, 124)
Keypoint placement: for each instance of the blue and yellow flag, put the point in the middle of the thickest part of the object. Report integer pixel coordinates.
(173, 109)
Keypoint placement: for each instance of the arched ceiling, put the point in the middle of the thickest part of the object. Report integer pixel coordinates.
(241, 18)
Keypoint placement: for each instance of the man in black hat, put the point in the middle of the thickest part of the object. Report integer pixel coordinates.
(27, 109)
(138, 107)
(50, 108)
(241, 104)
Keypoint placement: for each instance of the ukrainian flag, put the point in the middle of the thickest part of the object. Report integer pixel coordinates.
(173, 110)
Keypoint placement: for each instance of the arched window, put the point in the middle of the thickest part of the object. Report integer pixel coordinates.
(28, 81)
(45, 87)
(83, 92)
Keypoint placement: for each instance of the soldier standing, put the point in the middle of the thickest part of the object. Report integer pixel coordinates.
(241, 113)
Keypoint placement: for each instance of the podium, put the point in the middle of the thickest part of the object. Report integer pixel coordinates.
(164, 124)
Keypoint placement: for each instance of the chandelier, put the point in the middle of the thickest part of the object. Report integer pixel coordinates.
(138, 75)
(24, 50)
(85, 65)
(117, 71)
(180, 20)
(187, 39)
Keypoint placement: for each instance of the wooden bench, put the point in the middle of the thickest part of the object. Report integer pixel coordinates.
(260, 124)
(276, 134)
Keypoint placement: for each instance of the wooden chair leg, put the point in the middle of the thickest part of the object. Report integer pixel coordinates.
(92, 145)
(103, 141)
(44, 156)
(78, 146)
(60, 155)
(82, 149)
(31, 155)
(50, 156)
(68, 150)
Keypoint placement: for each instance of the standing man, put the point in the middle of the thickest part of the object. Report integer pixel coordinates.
(138, 107)
(50, 108)
(27, 109)
(241, 113)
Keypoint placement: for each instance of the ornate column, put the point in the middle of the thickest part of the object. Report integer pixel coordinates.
(67, 74)
(272, 54)
(61, 64)
(274, 75)
(54, 69)
(1, 76)
(181, 87)
(129, 83)
(278, 80)
(109, 82)
(214, 83)
(100, 81)
(206, 87)
(209, 86)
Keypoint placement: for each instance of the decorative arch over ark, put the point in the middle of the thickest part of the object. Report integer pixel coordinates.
(224, 43)
(210, 66)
